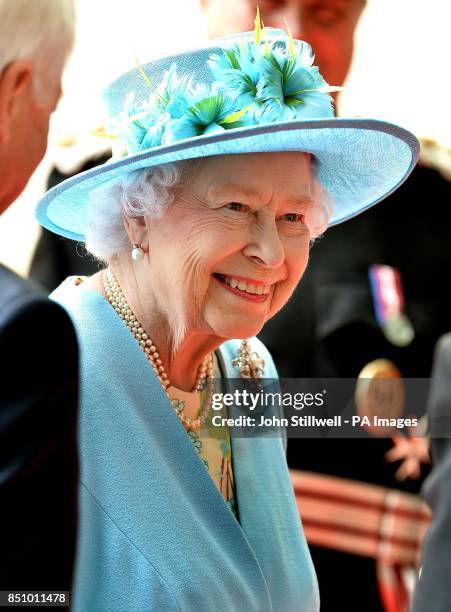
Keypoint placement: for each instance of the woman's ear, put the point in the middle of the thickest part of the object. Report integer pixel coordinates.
(136, 229)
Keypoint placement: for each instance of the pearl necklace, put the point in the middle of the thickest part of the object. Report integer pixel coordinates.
(117, 300)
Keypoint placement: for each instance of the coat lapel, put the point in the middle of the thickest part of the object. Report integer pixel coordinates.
(268, 511)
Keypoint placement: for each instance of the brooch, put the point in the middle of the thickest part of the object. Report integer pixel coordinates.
(248, 362)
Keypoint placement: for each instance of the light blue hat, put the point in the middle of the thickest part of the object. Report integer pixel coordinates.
(247, 93)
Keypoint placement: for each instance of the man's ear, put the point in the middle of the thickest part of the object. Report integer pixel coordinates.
(136, 229)
(15, 84)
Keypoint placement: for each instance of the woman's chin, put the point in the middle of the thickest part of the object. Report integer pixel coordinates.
(239, 330)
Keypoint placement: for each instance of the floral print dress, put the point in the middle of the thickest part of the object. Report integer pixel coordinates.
(211, 442)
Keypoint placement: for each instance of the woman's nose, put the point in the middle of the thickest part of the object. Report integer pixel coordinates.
(266, 247)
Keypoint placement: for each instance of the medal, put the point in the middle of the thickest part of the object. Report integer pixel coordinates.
(379, 394)
(398, 330)
(389, 305)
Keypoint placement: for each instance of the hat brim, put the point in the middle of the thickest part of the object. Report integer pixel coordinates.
(360, 162)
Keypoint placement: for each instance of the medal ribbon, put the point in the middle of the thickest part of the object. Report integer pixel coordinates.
(387, 292)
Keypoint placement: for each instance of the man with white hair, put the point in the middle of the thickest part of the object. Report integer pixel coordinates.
(38, 349)
(35, 39)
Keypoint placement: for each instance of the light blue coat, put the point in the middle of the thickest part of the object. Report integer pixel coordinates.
(155, 532)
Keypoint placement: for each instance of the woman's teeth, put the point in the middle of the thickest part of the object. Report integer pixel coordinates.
(242, 286)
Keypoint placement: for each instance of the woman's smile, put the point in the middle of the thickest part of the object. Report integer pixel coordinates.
(252, 290)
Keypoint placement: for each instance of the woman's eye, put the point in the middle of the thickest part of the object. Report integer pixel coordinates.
(236, 206)
(293, 217)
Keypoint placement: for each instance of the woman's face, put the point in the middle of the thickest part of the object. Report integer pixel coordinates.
(228, 253)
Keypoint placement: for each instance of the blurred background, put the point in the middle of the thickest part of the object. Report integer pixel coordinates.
(400, 59)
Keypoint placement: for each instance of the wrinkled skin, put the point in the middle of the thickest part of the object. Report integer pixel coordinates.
(240, 216)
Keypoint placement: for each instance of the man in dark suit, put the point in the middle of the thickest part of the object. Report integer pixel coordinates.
(38, 349)
(433, 591)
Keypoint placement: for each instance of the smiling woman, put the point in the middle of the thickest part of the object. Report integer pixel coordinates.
(240, 224)
(225, 170)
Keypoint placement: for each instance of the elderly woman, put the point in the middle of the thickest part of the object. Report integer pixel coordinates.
(229, 159)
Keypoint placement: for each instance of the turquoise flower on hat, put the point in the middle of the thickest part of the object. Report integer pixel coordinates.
(291, 88)
(143, 127)
(254, 82)
(172, 95)
(278, 79)
(208, 112)
(138, 127)
(237, 73)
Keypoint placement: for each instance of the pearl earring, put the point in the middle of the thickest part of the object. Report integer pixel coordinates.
(137, 253)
